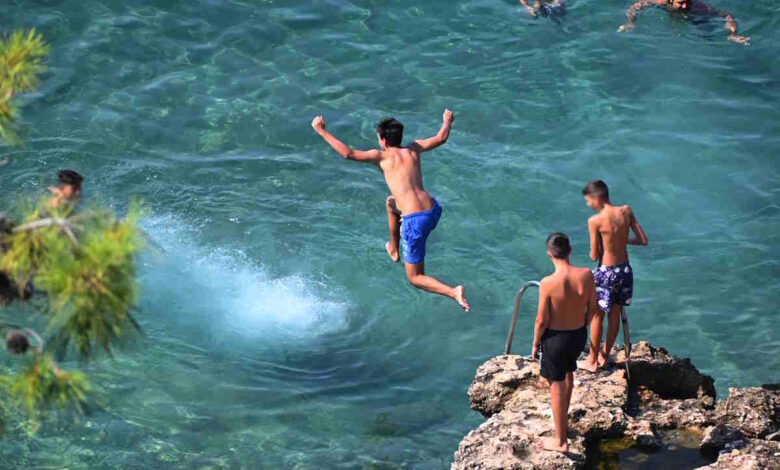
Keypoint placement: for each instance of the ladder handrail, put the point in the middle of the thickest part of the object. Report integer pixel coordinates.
(519, 296)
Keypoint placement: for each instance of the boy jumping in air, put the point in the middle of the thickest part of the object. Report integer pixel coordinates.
(567, 302)
(609, 240)
(412, 214)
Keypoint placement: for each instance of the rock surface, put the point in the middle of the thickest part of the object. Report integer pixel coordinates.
(664, 392)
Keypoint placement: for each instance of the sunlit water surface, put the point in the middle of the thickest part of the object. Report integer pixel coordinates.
(278, 335)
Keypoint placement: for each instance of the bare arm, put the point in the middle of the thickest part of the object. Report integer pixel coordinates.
(639, 237)
(531, 10)
(731, 26)
(542, 318)
(370, 156)
(595, 239)
(633, 12)
(593, 307)
(424, 145)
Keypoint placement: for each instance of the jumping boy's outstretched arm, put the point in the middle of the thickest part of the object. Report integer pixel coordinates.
(424, 145)
(633, 12)
(371, 156)
(639, 237)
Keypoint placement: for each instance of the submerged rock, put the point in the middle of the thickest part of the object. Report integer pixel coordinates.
(664, 392)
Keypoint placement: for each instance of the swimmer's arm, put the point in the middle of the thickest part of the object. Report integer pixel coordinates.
(370, 156)
(633, 12)
(731, 26)
(595, 246)
(531, 10)
(639, 234)
(441, 137)
(542, 318)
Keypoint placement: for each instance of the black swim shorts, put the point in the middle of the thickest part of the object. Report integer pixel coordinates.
(560, 350)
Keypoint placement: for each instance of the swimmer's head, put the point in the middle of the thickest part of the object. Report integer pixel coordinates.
(70, 184)
(596, 194)
(679, 5)
(390, 133)
(558, 246)
(16, 342)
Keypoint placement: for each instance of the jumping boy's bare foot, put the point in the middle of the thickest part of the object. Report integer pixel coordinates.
(552, 444)
(460, 297)
(393, 253)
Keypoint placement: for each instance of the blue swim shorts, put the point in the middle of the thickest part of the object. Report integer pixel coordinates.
(614, 286)
(415, 229)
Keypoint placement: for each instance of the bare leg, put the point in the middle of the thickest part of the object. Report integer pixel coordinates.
(569, 389)
(596, 330)
(416, 275)
(559, 396)
(613, 329)
(394, 226)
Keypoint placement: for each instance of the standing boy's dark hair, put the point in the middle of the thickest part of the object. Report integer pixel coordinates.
(596, 188)
(71, 178)
(558, 245)
(391, 131)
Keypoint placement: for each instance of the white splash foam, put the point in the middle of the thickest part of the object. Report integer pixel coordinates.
(226, 287)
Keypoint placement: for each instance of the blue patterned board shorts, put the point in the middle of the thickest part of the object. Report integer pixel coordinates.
(614, 286)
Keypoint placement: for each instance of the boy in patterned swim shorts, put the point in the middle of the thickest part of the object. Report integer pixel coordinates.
(609, 240)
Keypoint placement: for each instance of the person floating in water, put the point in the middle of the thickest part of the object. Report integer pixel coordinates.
(550, 8)
(68, 189)
(412, 214)
(567, 302)
(691, 7)
(609, 240)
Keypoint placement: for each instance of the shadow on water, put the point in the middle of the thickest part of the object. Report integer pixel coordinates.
(680, 451)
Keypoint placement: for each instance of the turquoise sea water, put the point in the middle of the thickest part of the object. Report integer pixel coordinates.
(278, 333)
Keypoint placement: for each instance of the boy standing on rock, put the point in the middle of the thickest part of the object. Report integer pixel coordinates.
(567, 302)
(609, 240)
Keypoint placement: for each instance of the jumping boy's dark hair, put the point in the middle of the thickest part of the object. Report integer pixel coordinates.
(558, 245)
(391, 131)
(596, 188)
(71, 178)
(16, 342)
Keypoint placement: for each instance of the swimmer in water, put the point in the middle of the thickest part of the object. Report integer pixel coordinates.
(544, 8)
(412, 214)
(68, 190)
(690, 7)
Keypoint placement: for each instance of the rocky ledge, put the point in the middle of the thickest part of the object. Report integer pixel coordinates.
(663, 393)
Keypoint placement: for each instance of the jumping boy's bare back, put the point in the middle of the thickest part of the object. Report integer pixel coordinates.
(420, 212)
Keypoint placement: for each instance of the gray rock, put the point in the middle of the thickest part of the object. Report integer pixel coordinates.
(754, 455)
(716, 438)
(665, 392)
(755, 411)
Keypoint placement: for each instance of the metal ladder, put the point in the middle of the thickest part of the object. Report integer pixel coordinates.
(514, 315)
(521, 292)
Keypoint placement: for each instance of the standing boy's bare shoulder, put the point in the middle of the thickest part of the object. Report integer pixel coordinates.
(595, 220)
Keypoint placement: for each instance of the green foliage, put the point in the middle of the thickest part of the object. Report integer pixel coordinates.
(22, 56)
(26, 250)
(42, 384)
(85, 265)
(89, 280)
(92, 286)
